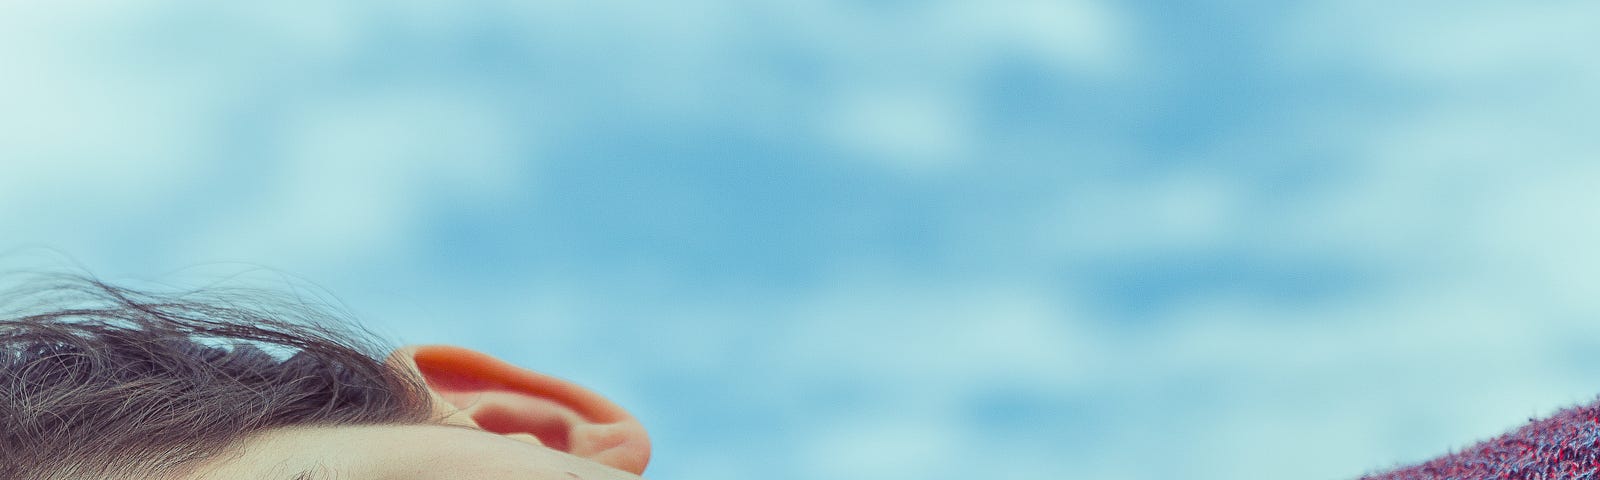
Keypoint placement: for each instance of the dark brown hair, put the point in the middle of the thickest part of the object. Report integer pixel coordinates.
(105, 382)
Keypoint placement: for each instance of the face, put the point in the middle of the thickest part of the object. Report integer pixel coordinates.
(476, 396)
(402, 452)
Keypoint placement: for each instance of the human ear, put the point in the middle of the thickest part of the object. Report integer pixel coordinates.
(475, 389)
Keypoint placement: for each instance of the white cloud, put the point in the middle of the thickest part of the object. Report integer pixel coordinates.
(1473, 201)
(909, 130)
(1451, 363)
(1175, 210)
(1080, 37)
(1450, 44)
(126, 106)
(76, 137)
(950, 337)
(876, 449)
(901, 79)
(354, 174)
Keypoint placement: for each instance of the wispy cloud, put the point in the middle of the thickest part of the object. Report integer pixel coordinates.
(877, 240)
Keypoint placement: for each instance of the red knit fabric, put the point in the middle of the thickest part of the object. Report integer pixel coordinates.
(1565, 446)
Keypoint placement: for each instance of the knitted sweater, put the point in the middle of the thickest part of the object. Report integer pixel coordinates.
(1565, 446)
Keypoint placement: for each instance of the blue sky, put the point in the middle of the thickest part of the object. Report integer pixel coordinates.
(885, 240)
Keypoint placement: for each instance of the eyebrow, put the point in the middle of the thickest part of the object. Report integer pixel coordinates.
(316, 472)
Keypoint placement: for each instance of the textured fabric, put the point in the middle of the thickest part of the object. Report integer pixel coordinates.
(1565, 446)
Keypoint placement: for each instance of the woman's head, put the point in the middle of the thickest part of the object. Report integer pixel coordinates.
(98, 381)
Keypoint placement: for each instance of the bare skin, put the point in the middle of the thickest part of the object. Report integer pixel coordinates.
(404, 452)
(500, 421)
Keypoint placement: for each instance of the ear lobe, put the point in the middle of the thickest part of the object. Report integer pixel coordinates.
(482, 391)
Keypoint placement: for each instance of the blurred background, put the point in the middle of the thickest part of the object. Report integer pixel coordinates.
(875, 239)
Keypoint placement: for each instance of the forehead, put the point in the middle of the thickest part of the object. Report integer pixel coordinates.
(404, 452)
